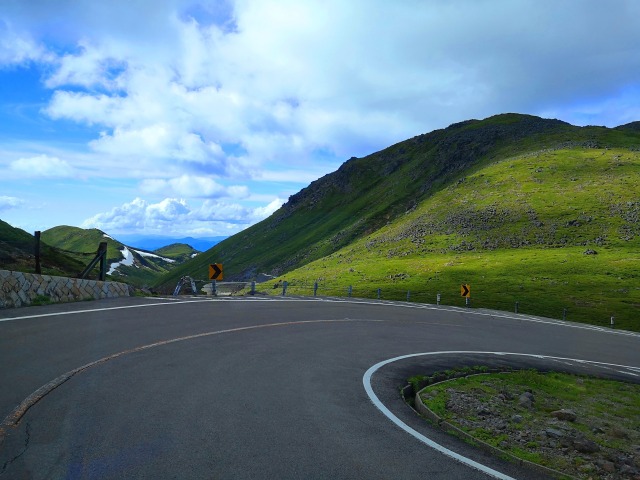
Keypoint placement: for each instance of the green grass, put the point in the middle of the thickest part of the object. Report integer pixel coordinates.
(82, 241)
(543, 281)
(176, 251)
(41, 300)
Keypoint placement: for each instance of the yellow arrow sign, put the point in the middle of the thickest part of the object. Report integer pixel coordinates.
(215, 272)
(465, 290)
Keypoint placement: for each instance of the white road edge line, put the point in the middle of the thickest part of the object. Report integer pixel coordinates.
(366, 381)
(496, 314)
(91, 310)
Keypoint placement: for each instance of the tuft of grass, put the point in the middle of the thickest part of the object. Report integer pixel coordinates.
(41, 300)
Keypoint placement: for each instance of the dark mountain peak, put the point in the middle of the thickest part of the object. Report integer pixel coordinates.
(442, 151)
(634, 126)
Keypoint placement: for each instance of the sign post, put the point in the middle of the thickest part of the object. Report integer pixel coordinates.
(465, 291)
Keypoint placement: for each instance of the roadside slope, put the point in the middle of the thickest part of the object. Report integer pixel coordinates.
(552, 230)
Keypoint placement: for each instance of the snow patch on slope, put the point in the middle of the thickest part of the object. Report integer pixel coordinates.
(127, 261)
(147, 254)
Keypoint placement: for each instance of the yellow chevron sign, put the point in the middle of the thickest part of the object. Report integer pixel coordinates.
(215, 272)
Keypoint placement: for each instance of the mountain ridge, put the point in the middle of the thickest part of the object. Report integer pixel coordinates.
(364, 194)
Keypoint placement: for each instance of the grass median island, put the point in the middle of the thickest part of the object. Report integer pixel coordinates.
(581, 426)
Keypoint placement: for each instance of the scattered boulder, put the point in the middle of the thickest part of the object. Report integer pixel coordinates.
(565, 415)
(553, 433)
(628, 470)
(616, 432)
(484, 412)
(584, 445)
(526, 400)
(590, 252)
(607, 466)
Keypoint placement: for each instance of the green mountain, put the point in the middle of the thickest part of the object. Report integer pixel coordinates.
(181, 252)
(127, 264)
(524, 209)
(17, 252)
(83, 241)
(365, 194)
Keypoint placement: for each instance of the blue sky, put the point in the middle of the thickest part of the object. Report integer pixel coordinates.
(200, 118)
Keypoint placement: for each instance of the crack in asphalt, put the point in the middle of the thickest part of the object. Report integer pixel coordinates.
(6, 464)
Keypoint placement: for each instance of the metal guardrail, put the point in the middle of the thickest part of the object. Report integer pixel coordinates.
(388, 292)
(213, 287)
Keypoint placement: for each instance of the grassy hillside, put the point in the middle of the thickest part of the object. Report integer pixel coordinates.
(177, 251)
(17, 252)
(552, 229)
(365, 194)
(79, 240)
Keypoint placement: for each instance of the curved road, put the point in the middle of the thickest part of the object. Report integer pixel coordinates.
(258, 387)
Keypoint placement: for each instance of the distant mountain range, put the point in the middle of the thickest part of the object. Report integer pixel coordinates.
(150, 242)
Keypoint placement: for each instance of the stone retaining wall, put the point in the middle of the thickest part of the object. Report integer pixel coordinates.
(19, 289)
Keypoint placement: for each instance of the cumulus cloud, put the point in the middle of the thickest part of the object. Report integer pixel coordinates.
(193, 187)
(7, 203)
(175, 216)
(292, 77)
(41, 166)
(18, 48)
(192, 96)
(266, 211)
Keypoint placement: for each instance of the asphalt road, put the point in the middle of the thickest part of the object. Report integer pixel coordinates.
(258, 388)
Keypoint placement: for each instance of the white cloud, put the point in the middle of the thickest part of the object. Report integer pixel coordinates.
(191, 97)
(168, 210)
(89, 68)
(41, 166)
(294, 77)
(17, 49)
(7, 203)
(264, 212)
(193, 187)
(173, 216)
